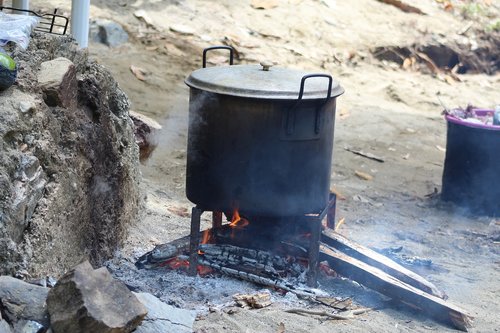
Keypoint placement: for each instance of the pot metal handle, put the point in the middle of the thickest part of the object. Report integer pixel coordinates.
(290, 118)
(222, 47)
(305, 77)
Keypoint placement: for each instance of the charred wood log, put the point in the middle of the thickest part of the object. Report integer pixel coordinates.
(374, 278)
(180, 246)
(265, 281)
(379, 261)
(257, 261)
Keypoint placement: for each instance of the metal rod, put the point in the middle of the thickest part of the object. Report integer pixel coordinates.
(312, 274)
(21, 4)
(330, 216)
(194, 240)
(216, 219)
(80, 21)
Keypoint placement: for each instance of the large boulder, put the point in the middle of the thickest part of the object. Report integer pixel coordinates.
(23, 301)
(87, 300)
(107, 32)
(69, 174)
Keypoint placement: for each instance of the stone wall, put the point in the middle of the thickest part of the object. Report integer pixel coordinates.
(69, 172)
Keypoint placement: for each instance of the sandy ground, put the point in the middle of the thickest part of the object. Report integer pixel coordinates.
(386, 110)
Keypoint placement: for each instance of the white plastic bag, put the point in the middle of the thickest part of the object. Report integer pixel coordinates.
(16, 28)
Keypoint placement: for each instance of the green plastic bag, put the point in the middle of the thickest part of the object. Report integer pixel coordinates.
(8, 71)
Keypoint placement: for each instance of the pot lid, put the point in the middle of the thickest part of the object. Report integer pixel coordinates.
(263, 82)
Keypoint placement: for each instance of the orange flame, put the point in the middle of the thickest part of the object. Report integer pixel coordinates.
(237, 221)
(205, 237)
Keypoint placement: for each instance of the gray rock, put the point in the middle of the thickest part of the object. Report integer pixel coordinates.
(5, 327)
(25, 106)
(28, 326)
(107, 32)
(57, 79)
(21, 300)
(162, 317)
(88, 300)
(27, 190)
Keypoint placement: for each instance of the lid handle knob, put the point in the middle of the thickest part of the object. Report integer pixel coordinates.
(266, 65)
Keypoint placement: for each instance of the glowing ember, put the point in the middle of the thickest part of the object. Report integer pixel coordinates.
(237, 221)
(176, 263)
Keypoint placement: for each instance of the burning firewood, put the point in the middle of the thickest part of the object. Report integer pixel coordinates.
(347, 258)
(167, 251)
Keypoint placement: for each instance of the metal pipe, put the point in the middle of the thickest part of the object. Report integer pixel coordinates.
(21, 4)
(80, 21)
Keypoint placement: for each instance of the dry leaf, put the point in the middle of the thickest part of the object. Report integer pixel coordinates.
(339, 223)
(339, 195)
(264, 4)
(141, 14)
(182, 29)
(152, 48)
(440, 148)
(363, 175)
(448, 79)
(281, 328)
(138, 72)
(344, 114)
(179, 211)
(173, 50)
(360, 198)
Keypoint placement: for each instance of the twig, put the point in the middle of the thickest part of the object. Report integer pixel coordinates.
(321, 313)
(466, 28)
(348, 314)
(403, 6)
(367, 155)
(428, 61)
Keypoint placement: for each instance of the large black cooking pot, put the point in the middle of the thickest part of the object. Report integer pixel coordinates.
(260, 139)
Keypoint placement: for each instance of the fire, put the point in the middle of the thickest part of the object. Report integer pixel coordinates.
(237, 221)
(205, 237)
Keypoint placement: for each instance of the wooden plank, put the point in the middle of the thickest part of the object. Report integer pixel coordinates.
(379, 261)
(382, 282)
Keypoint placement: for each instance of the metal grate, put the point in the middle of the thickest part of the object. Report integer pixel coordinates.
(49, 23)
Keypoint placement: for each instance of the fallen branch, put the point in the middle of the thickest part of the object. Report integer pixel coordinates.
(403, 6)
(367, 155)
(346, 315)
(382, 282)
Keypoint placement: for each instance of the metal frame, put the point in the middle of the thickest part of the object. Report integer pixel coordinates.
(48, 22)
(314, 221)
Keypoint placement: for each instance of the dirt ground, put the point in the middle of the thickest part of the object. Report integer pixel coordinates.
(386, 110)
